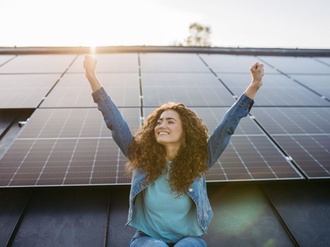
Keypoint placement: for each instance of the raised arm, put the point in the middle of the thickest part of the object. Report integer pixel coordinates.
(112, 117)
(220, 138)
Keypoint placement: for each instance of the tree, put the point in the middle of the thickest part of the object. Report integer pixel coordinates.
(199, 35)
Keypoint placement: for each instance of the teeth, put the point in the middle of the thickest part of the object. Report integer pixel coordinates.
(162, 133)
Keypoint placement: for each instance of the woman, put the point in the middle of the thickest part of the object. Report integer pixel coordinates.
(168, 158)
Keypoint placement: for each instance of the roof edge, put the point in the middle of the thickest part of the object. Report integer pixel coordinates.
(165, 49)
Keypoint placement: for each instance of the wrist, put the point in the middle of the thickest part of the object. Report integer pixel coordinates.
(90, 76)
(253, 88)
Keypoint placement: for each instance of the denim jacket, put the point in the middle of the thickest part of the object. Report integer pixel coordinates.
(217, 143)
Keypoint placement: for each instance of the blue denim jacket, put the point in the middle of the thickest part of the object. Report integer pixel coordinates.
(217, 143)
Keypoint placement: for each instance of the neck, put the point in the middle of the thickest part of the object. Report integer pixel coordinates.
(171, 152)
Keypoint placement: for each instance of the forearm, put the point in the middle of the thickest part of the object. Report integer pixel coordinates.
(219, 139)
(121, 133)
(93, 81)
(252, 89)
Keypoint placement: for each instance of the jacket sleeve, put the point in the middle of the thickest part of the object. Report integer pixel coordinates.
(220, 138)
(113, 119)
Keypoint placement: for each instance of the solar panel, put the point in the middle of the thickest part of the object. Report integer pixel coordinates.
(310, 152)
(250, 156)
(38, 64)
(109, 63)
(296, 65)
(278, 90)
(5, 58)
(192, 89)
(172, 62)
(25, 91)
(65, 141)
(73, 90)
(65, 147)
(233, 63)
(325, 60)
(318, 83)
(62, 162)
(304, 133)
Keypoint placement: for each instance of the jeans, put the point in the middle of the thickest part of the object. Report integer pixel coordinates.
(141, 239)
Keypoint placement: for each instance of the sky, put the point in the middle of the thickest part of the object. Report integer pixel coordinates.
(233, 23)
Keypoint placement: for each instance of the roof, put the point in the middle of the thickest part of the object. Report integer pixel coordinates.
(270, 188)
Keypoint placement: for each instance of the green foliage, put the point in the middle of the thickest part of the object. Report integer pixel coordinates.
(199, 35)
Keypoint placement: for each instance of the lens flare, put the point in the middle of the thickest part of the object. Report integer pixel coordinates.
(239, 209)
(92, 50)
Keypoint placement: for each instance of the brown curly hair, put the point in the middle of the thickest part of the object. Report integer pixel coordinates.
(147, 154)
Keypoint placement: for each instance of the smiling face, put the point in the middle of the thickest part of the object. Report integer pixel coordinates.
(168, 130)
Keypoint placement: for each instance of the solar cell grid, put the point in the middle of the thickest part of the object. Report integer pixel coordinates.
(278, 91)
(232, 63)
(318, 83)
(200, 89)
(5, 58)
(252, 158)
(304, 133)
(72, 123)
(288, 121)
(73, 90)
(65, 147)
(109, 63)
(172, 62)
(25, 91)
(296, 65)
(311, 153)
(38, 64)
(325, 60)
(60, 162)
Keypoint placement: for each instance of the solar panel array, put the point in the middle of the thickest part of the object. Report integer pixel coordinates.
(65, 141)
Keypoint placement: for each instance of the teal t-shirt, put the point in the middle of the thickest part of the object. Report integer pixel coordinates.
(161, 214)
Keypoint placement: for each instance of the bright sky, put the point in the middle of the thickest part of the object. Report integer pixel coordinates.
(233, 23)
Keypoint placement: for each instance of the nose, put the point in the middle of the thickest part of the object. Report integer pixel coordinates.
(161, 126)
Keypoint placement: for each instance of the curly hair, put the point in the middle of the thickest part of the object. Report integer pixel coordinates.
(147, 154)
